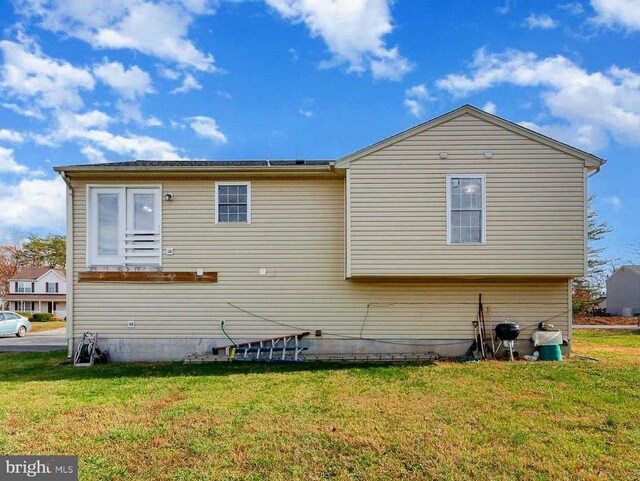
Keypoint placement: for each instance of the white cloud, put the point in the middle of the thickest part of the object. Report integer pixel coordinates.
(505, 8)
(33, 203)
(415, 98)
(207, 128)
(53, 83)
(11, 136)
(544, 22)
(589, 137)
(590, 106)
(305, 113)
(8, 164)
(168, 73)
(353, 31)
(617, 13)
(131, 112)
(89, 129)
(137, 146)
(94, 155)
(188, 83)
(490, 107)
(574, 8)
(131, 83)
(614, 202)
(157, 29)
(26, 112)
(153, 122)
(94, 119)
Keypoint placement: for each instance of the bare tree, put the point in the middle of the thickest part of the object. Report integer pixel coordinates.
(634, 250)
(597, 266)
(10, 259)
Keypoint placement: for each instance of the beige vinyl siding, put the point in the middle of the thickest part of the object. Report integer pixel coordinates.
(534, 205)
(297, 233)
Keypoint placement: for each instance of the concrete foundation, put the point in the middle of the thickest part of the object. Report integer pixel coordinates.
(150, 350)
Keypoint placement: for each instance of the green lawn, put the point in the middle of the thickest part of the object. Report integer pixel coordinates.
(549, 421)
(46, 326)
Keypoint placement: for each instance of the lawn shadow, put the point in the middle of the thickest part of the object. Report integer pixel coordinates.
(53, 366)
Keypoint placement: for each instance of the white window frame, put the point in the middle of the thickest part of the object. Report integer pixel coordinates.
(248, 185)
(21, 306)
(130, 192)
(46, 287)
(92, 257)
(23, 290)
(483, 218)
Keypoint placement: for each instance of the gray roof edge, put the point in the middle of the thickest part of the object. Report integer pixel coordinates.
(142, 165)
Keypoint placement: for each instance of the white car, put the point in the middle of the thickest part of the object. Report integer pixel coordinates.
(13, 323)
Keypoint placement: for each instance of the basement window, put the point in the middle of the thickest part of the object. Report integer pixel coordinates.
(466, 209)
(233, 202)
(124, 226)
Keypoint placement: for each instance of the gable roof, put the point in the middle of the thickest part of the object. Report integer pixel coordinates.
(590, 160)
(631, 268)
(33, 274)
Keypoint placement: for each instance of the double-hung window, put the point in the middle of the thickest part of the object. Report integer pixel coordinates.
(124, 226)
(25, 287)
(51, 287)
(466, 209)
(233, 202)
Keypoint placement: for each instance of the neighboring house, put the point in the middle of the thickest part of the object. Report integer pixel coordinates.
(385, 250)
(623, 291)
(38, 290)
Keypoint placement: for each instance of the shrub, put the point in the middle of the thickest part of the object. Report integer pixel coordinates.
(42, 317)
(24, 314)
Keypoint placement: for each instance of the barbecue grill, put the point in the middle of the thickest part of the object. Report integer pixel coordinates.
(508, 332)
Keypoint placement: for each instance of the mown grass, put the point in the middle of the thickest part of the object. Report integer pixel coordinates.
(492, 420)
(46, 326)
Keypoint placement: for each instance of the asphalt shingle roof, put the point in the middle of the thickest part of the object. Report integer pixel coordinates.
(35, 273)
(205, 163)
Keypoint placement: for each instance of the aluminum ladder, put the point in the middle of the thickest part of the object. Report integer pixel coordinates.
(285, 348)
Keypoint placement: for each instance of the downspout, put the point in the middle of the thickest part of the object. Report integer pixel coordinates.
(594, 172)
(69, 264)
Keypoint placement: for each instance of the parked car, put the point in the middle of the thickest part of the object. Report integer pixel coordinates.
(12, 323)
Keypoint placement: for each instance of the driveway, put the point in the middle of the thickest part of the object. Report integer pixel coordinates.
(37, 342)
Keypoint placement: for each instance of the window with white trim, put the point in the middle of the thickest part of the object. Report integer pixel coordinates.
(24, 306)
(233, 202)
(51, 287)
(25, 287)
(124, 226)
(466, 209)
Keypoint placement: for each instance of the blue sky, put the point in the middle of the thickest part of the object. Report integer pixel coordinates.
(90, 81)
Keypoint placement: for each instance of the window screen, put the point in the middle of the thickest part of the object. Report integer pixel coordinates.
(466, 204)
(233, 203)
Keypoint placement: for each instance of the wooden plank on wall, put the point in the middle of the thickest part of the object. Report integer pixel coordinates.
(142, 276)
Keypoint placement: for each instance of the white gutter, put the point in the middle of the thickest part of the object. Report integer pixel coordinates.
(594, 172)
(69, 265)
